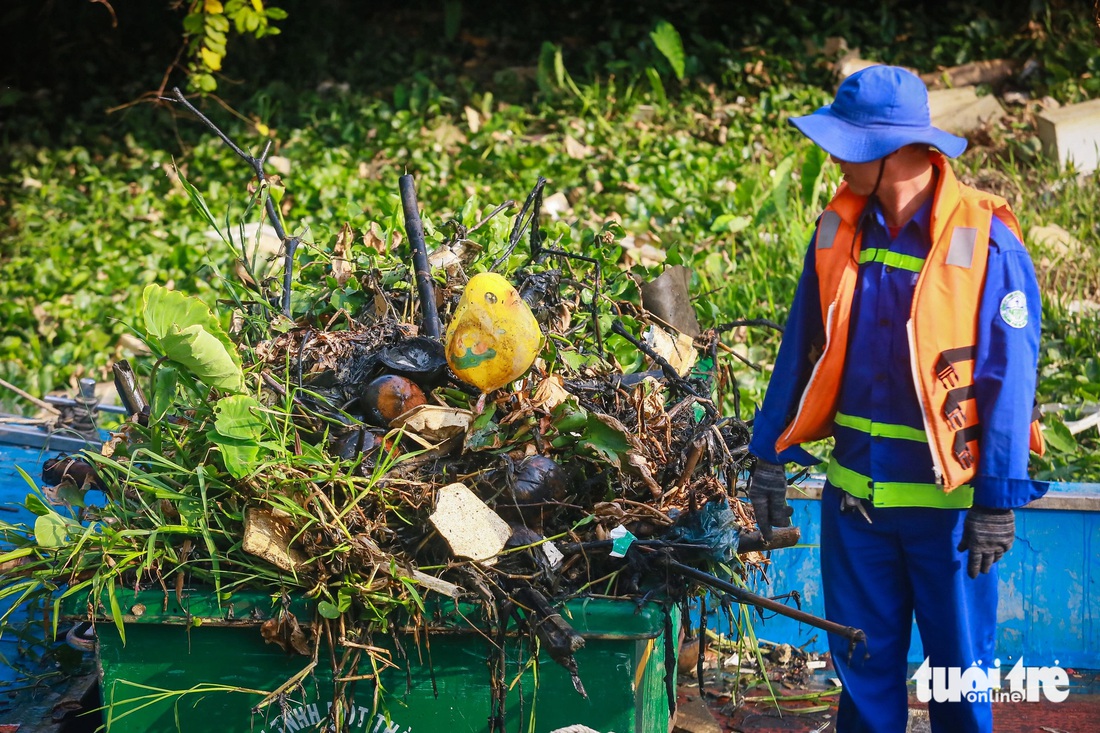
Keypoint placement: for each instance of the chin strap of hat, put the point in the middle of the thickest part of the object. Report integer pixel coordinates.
(871, 198)
(881, 170)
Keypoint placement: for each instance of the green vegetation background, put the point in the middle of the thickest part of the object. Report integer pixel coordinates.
(477, 100)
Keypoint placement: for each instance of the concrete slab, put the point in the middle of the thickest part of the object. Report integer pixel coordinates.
(1054, 240)
(852, 63)
(1072, 135)
(993, 72)
(961, 110)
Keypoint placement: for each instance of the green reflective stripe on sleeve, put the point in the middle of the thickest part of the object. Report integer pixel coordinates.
(893, 259)
(898, 493)
(881, 429)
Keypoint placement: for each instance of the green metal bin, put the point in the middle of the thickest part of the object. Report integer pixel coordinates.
(195, 666)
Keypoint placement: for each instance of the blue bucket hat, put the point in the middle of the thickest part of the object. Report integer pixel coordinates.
(876, 111)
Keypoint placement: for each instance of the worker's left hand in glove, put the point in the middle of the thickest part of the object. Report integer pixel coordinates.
(768, 494)
(988, 534)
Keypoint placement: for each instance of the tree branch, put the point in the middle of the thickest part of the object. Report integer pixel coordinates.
(290, 244)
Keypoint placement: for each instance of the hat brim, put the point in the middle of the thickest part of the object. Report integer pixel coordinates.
(862, 144)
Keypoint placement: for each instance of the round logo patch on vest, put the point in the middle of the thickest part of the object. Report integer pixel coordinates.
(1014, 309)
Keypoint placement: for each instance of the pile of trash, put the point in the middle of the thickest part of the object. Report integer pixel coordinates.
(491, 448)
(544, 477)
(513, 437)
(375, 468)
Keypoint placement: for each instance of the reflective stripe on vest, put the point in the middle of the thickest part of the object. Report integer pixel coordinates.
(881, 429)
(941, 345)
(893, 493)
(891, 259)
(898, 493)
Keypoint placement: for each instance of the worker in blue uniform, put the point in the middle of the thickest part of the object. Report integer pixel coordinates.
(913, 341)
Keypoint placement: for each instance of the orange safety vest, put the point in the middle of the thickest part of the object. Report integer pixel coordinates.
(941, 345)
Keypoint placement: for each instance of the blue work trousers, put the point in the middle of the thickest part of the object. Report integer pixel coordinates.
(875, 576)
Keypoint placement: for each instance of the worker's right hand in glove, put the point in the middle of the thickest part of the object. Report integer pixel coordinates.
(988, 534)
(768, 494)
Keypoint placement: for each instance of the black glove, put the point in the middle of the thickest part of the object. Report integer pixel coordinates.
(988, 534)
(768, 494)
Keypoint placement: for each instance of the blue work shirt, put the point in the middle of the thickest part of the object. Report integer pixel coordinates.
(879, 432)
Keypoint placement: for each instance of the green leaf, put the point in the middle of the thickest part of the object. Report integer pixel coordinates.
(34, 504)
(626, 354)
(16, 554)
(51, 531)
(30, 482)
(603, 439)
(201, 353)
(813, 172)
(193, 23)
(657, 85)
(116, 612)
(276, 191)
(281, 324)
(238, 428)
(216, 44)
(731, 223)
(544, 76)
(328, 610)
(410, 588)
(781, 183)
(163, 308)
(165, 382)
(667, 40)
(400, 96)
(71, 494)
(469, 214)
(220, 23)
(240, 417)
(1057, 435)
(576, 360)
(191, 512)
(569, 417)
(484, 434)
(241, 457)
(344, 598)
(189, 334)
